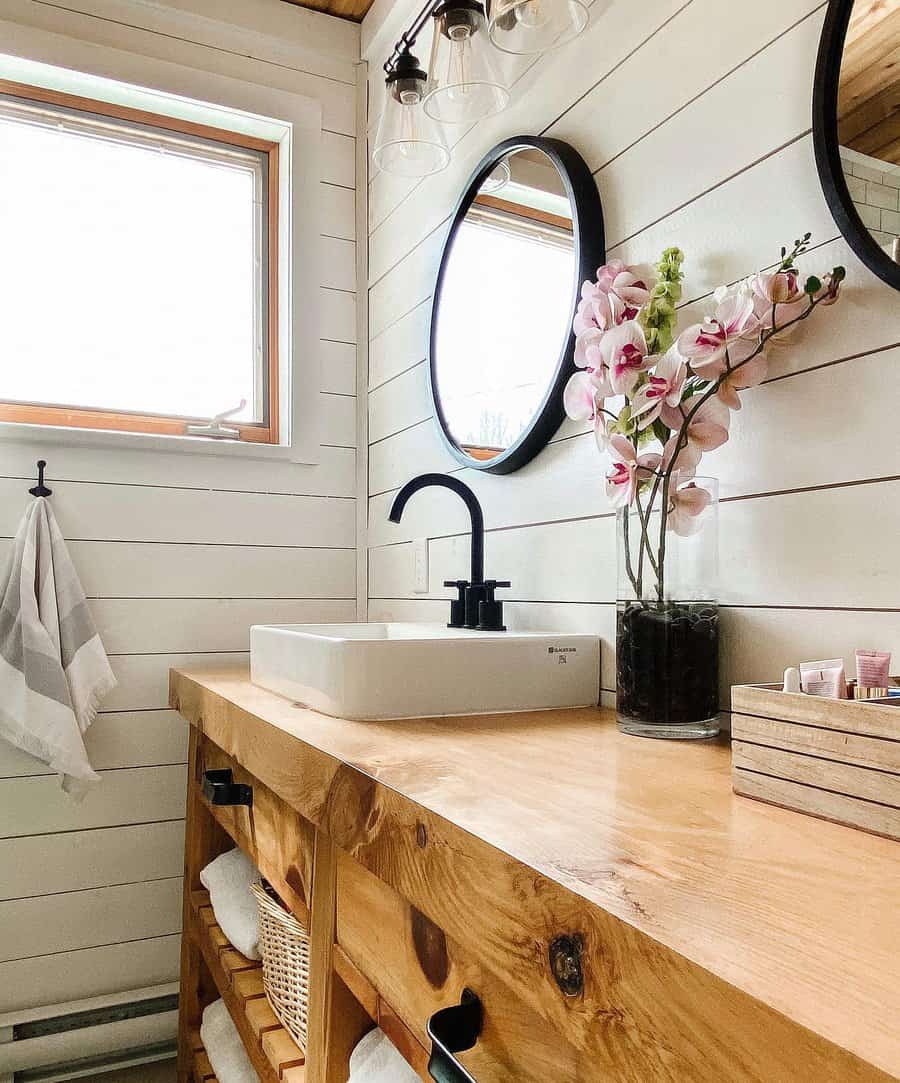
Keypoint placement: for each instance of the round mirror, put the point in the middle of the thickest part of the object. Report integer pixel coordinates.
(856, 128)
(526, 232)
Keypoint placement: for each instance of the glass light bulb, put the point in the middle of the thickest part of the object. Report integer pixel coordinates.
(532, 14)
(458, 79)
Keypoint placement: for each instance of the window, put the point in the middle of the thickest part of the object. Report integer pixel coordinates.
(138, 269)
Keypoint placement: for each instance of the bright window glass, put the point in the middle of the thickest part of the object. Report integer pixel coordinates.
(133, 265)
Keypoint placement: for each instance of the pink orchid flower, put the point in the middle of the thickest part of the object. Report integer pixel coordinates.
(708, 429)
(778, 293)
(623, 354)
(687, 502)
(748, 375)
(663, 388)
(627, 470)
(583, 400)
(616, 296)
(707, 346)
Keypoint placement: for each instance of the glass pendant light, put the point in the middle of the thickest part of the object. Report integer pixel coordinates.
(498, 178)
(408, 142)
(534, 26)
(464, 84)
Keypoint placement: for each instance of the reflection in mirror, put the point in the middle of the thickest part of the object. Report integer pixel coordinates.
(505, 306)
(868, 118)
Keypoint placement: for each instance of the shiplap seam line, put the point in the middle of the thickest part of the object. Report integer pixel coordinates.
(611, 514)
(106, 770)
(214, 598)
(397, 375)
(93, 947)
(191, 41)
(721, 79)
(100, 827)
(775, 607)
(156, 654)
(712, 188)
(96, 887)
(189, 488)
(830, 364)
(126, 767)
(402, 316)
(406, 428)
(217, 545)
(590, 90)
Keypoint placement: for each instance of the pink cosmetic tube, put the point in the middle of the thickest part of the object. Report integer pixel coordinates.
(872, 668)
(824, 678)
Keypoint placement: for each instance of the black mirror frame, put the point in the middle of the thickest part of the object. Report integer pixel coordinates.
(587, 229)
(825, 143)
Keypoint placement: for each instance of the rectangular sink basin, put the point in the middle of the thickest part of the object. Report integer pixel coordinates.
(402, 670)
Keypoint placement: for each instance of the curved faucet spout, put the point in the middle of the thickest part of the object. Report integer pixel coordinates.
(462, 490)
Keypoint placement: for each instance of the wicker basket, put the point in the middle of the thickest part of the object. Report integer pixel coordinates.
(284, 946)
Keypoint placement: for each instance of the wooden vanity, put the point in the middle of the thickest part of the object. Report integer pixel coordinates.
(620, 913)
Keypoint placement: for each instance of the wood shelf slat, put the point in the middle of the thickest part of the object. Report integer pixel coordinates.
(271, 1049)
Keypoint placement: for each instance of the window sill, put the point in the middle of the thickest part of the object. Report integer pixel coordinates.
(130, 441)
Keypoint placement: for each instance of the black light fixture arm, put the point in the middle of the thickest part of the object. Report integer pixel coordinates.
(408, 37)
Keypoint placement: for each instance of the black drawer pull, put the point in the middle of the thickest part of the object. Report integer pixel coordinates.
(219, 788)
(454, 1030)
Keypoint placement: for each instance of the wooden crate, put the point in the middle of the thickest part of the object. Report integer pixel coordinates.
(835, 759)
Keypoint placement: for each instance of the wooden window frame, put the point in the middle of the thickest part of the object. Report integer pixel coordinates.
(265, 432)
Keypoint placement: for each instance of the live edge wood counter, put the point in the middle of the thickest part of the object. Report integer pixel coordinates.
(719, 938)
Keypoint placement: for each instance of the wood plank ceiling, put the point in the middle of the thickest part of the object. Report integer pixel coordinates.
(869, 94)
(354, 10)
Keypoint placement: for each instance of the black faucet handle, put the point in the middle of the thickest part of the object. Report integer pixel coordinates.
(490, 611)
(492, 585)
(457, 605)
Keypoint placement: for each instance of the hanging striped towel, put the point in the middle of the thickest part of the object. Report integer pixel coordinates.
(53, 668)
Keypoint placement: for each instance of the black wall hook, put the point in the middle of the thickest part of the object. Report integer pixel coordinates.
(41, 489)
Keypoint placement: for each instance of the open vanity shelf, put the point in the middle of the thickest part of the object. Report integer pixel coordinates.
(284, 846)
(619, 912)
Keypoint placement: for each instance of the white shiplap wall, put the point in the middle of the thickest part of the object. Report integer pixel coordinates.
(178, 553)
(694, 116)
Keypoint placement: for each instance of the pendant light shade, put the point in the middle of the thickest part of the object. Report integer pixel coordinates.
(498, 178)
(463, 82)
(408, 142)
(534, 26)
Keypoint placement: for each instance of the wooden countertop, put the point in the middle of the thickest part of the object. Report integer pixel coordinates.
(796, 913)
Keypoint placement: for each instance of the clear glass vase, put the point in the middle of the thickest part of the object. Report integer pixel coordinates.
(667, 620)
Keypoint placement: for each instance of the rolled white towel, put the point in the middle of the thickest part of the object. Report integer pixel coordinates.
(228, 879)
(376, 1060)
(224, 1047)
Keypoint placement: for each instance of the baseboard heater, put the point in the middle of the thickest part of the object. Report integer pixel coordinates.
(87, 1038)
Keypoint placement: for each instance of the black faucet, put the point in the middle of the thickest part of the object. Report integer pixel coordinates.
(476, 606)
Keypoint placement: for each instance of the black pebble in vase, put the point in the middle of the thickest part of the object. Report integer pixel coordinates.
(667, 669)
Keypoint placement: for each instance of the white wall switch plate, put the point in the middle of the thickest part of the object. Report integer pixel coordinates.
(420, 551)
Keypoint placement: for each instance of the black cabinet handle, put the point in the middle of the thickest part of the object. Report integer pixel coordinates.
(454, 1030)
(219, 788)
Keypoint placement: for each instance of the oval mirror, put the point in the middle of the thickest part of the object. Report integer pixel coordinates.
(856, 128)
(526, 232)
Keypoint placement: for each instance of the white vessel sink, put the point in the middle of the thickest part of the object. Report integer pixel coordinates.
(379, 671)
